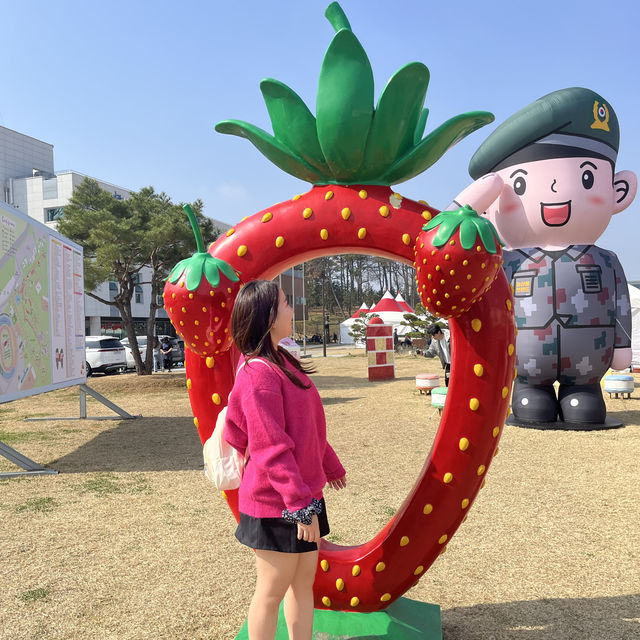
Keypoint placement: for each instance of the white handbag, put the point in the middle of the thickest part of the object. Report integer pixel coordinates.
(223, 464)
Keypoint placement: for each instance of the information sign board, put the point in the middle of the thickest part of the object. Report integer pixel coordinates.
(41, 308)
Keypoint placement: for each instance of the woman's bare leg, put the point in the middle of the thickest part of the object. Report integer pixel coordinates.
(275, 572)
(298, 601)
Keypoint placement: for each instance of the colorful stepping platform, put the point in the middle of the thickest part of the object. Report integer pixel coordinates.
(438, 398)
(405, 619)
(619, 384)
(425, 382)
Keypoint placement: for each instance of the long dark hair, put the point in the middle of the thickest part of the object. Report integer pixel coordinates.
(253, 315)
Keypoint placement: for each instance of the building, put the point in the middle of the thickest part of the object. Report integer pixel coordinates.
(29, 183)
(44, 195)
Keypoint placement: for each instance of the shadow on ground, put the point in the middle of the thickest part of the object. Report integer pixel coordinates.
(352, 382)
(144, 444)
(627, 417)
(614, 618)
(327, 401)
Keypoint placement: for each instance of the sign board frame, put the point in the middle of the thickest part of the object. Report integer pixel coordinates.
(42, 321)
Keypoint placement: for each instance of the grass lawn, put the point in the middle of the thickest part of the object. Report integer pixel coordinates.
(130, 541)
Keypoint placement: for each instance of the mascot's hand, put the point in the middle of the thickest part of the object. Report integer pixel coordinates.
(621, 358)
(480, 194)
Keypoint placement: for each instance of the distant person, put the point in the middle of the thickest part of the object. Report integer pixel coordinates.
(407, 342)
(396, 339)
(157, 356)
(440, 347)
(166, 349)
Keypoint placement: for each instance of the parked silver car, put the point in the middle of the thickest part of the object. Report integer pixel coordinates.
(142, 347)
(104, 354)
(177, 355)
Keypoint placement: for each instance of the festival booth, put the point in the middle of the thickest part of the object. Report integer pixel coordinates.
(345, 326)
(403, 304)
(391, 310)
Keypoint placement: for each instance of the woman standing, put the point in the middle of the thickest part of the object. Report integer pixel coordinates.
(275, 414)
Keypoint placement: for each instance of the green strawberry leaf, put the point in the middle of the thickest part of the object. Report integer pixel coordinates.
(433, 147)
(212, 269)
(293, 124)
(447, 228)
(272, 148)
(468, 233)
(178, 270)
(420, 127)
(194, 271)
(395, 119)
(344, 104)
(488, 234)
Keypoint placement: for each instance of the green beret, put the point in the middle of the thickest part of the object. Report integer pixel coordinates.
(572, 122)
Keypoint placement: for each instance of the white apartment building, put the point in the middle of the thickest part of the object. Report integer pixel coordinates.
(44, 195)
(28, 182)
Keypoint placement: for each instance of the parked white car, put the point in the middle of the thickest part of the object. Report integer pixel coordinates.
(104, 354)
(142, 347)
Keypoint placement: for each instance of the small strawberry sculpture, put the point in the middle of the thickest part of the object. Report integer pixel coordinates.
(458, 256)
(198, 297)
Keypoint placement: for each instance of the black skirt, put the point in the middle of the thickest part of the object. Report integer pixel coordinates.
(276, 534)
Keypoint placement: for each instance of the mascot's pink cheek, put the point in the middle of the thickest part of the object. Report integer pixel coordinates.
(510, 207)
(597, 200)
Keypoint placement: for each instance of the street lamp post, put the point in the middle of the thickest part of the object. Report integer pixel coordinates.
(324, 311)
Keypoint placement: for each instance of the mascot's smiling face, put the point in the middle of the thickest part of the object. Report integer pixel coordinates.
(557, 202)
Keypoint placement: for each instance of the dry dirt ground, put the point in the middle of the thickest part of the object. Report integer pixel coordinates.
(129, 541)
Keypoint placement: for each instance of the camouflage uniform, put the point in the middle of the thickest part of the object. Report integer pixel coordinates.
(569, 302)
(571, 305)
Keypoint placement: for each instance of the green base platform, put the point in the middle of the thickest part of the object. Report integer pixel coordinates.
(405, 619)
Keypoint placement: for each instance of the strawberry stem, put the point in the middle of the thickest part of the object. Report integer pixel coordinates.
(196, 228)
(337, 17)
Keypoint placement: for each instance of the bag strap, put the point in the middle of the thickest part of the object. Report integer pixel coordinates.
(264, 362)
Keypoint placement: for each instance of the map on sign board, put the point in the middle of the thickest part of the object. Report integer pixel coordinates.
(41, 308)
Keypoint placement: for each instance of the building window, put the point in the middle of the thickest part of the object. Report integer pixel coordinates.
(160, 301)
(53, 213)
(138, 294)
(49, 188)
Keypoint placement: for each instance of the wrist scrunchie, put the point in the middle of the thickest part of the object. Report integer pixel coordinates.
(304, 516)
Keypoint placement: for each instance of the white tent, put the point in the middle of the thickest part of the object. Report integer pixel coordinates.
(403, 304)
(634, 299)
(389, 310)
(345, 326)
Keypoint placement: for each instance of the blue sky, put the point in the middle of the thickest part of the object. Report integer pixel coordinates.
(128, 92)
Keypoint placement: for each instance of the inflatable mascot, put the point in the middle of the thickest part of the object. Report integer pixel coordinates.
(557, 160)
(351, 153)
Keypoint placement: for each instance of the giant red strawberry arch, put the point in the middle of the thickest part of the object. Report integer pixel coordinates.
(352, 209)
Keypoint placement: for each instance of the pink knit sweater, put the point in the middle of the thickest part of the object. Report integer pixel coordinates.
(290, 459)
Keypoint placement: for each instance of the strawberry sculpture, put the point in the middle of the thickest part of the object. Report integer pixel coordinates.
(456, 264)
(198, 297)
(351, 153)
